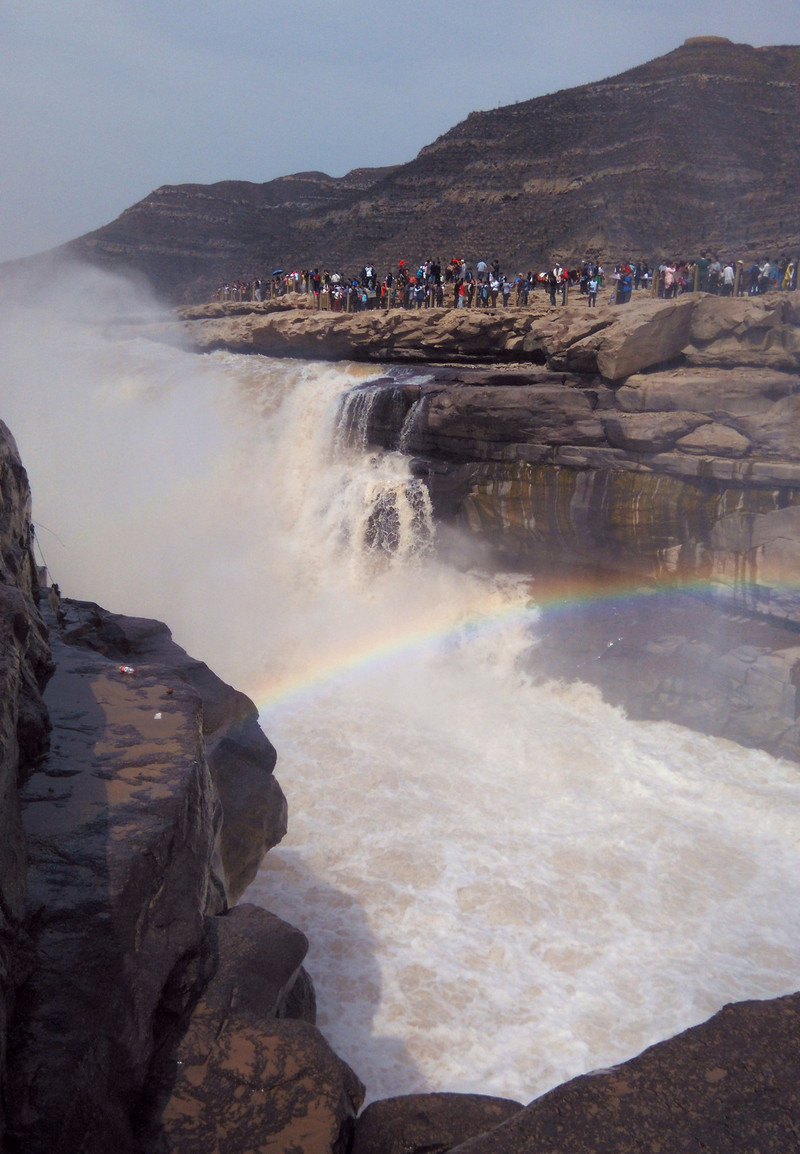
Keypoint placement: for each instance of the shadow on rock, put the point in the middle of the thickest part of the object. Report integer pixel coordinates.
(674, 656)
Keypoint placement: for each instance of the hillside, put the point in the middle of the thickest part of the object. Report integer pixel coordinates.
(696, 149)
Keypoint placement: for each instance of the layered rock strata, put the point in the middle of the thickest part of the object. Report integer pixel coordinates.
(560, 472)
(654, 444)
(659, 439)
(697, 329)
(692, 151)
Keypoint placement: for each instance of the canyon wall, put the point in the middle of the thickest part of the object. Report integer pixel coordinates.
(660, 451)
(138, 1009)
(668, 159)
(653, 446)
(25, 665)
(659, 439)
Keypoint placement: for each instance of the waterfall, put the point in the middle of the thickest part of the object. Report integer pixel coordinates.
(503, 884)
(396, 517)
(354, 412)
(413, 420)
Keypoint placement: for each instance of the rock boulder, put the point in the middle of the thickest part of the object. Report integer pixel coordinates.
(761, 332)
(239, 755)
(714, 440)
(428, 1123)
(236, 1073)
(731, 1084)
(649, 432)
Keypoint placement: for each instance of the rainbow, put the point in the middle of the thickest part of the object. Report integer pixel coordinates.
(391, 644)
(535, 600)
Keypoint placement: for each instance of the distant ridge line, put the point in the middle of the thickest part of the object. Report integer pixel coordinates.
(695, 151)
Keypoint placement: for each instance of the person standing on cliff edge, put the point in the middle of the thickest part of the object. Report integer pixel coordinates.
(552, 285)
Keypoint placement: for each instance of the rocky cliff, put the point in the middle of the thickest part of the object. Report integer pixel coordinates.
(659, 438)
(138, 1010)
(694, 150)
(25, 665)
(660, 450)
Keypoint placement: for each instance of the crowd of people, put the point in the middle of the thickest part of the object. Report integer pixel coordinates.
(461, 285)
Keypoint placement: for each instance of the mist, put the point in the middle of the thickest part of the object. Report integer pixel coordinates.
(504, 884)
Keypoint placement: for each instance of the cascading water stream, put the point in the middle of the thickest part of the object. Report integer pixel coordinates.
(503, 884)
(414, 416)
(396, 516)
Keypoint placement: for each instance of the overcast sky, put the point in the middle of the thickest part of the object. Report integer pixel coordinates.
(102, 101)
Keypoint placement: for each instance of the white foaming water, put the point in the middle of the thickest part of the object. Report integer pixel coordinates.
(503, 885)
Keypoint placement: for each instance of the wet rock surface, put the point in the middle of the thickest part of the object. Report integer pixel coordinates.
(428, 1123)
(245, 1069)
(731, 1084)
(120, 826)
(251, 1088)
(136, 801)
(239, 755)
(131, 976)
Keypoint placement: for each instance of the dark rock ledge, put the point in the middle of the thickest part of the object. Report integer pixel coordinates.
(145, 820)
(139, 1010)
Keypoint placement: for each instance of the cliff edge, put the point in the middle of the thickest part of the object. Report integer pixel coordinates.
(139, 1010)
